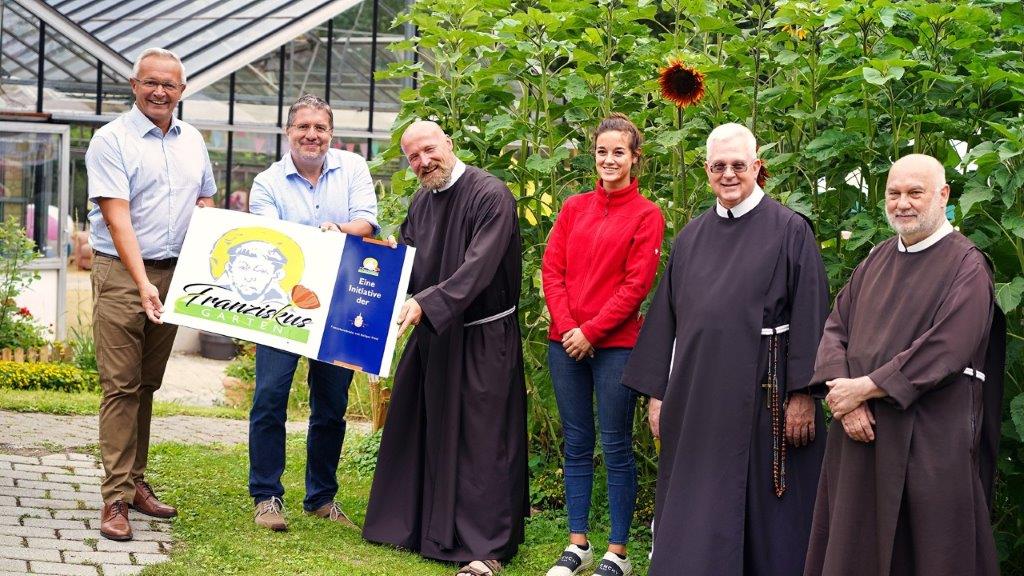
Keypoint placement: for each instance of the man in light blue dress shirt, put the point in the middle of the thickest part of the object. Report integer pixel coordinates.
(147, 171)
(314, 185)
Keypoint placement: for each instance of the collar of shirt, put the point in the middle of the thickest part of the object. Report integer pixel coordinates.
(743, 207)
(331, 162)
(144, 125)
(928, 242)
(457, 172)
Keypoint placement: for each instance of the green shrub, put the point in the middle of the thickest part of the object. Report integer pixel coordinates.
(17, 251)
(360, 454)
(83, 348)
(547, 483)
(243, 367)
(45, 376)
(21, 331)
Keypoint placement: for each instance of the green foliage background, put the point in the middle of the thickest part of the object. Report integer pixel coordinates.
(835, 91)
(17, 252)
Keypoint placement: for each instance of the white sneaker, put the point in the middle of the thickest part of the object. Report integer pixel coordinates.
(574, 560)
(612, 565)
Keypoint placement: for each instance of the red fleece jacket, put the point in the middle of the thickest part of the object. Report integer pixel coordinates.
(600, 263)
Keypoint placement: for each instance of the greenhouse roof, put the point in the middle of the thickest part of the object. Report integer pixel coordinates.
(213, 37)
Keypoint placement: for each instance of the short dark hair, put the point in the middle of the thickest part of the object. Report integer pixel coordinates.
(620, 122)
(312, 102)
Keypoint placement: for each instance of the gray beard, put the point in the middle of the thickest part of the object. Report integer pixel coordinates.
(929, 222)
(438, 178)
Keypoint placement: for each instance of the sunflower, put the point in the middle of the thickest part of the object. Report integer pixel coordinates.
(681, 84)
(762, 175)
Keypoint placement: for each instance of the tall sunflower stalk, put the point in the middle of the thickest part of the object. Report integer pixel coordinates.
(682, 86)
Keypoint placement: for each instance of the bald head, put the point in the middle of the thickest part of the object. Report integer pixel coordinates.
(920, 167)
(420, 129)
(916, 194)
(430, 153)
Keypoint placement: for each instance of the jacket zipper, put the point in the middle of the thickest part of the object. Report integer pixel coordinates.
(590, 255)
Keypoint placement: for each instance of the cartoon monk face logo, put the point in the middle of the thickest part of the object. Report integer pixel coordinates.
(258, 265)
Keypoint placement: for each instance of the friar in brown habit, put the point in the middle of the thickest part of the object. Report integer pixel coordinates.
(451, 478)
(726, 355)
(913, 370)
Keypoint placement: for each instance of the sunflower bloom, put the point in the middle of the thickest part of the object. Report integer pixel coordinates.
(681, 84)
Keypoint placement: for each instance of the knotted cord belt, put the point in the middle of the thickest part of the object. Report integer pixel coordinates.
(492, 318)
(775, 401)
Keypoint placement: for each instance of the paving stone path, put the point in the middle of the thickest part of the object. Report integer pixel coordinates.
(49, 520)
(50, 502)
(29, 430)
(192, 380)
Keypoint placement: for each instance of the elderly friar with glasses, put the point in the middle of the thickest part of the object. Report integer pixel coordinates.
(726, 356)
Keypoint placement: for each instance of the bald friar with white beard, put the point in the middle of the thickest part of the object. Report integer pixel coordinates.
(911, 361)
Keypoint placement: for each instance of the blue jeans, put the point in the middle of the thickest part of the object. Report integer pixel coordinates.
(328, 399)
(575, 385)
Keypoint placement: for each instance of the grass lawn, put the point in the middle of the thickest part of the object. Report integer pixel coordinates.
(215, 534)
(88, 403)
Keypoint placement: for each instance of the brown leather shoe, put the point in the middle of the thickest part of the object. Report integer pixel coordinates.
(332, 511)
(270, 514)
(114, 521)
(145, 501)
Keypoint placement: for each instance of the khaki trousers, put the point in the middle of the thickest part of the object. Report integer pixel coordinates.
(131, 354)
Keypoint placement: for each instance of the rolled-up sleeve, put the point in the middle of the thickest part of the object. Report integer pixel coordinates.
(362, 198)
(105, 167)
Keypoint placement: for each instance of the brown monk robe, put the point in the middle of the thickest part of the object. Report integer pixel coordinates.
(902, 489)
(730, 335)
(451, 477)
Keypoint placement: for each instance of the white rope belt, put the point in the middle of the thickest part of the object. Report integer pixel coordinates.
(777, 330)
(975, 373)
(497, 316)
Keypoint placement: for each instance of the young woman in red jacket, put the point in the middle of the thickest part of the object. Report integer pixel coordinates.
(598, 267)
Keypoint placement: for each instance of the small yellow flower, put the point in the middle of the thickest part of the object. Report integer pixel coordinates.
(795, 31)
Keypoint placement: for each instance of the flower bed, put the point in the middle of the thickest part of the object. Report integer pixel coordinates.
(45, 376)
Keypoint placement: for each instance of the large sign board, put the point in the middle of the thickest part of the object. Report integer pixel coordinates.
(328, 296)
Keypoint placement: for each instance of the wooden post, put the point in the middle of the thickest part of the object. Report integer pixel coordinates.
(380, 398)
(382, 411)
(19, 355)
(374, 383)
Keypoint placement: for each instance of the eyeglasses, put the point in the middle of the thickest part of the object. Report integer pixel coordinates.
(318, 128)
(737, 167)
(153, 85)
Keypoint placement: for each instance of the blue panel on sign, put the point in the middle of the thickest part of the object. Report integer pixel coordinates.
(361, 309)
